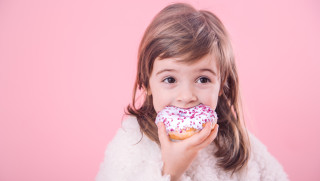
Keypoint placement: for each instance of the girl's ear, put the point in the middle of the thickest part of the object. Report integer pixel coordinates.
(220, 92)
(221, 87)
(147, 91)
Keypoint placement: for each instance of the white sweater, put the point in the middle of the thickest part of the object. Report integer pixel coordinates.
(125, 160)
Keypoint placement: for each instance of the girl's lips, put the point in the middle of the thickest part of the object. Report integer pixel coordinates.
(186, 108)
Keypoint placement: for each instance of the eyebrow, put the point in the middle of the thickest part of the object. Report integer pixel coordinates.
(166, 70)
(208, 70)
(173, 70)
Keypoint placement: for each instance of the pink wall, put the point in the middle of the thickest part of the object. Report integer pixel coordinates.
(67, 70)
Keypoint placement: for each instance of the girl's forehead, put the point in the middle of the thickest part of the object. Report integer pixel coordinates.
(207, 61)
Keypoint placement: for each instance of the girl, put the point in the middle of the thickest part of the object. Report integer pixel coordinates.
(185, 58)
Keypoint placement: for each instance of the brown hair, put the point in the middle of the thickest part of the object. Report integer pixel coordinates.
(180, 31)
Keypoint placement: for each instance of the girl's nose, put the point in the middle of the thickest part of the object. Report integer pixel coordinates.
(186, 95)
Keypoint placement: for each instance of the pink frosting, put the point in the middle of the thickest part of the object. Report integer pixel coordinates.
(179, 119)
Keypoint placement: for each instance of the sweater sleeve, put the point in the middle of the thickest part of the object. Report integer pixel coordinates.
(125, 159)
(269, 167)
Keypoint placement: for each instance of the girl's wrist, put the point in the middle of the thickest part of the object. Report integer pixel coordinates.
(173, 177)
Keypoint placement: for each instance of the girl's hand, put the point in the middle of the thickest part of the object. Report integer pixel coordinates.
(177, 156)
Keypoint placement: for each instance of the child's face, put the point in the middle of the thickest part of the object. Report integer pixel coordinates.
(184, 86)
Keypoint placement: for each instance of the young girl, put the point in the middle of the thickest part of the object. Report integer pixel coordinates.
(185, 59)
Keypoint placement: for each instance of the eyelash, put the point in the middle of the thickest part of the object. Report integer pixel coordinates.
(208, 80)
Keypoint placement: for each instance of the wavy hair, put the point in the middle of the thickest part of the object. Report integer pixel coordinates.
(181, 31)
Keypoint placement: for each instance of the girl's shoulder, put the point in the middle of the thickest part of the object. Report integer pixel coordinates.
(263, 161)
(258, 149)
(130, 123)
(256, 145)
(128, 152)
(129, 134)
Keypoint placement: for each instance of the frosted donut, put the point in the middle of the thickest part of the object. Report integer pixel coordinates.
(182, 123)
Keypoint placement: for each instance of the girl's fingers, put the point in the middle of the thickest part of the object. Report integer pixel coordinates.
(162, 133)
(201, 136)
(211, 137)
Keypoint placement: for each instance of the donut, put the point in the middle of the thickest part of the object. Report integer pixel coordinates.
(183, 123)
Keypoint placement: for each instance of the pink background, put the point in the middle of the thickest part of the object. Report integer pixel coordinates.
(67, 70)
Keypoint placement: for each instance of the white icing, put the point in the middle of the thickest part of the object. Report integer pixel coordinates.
(179, 119)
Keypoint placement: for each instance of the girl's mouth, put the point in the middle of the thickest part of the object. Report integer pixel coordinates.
(186, 108)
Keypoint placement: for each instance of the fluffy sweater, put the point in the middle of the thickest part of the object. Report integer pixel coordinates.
(126, 159)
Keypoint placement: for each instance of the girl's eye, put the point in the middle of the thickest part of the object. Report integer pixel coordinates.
(204, 80)
(170, 80)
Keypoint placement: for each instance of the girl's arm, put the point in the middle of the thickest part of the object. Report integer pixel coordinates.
(177, 156)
